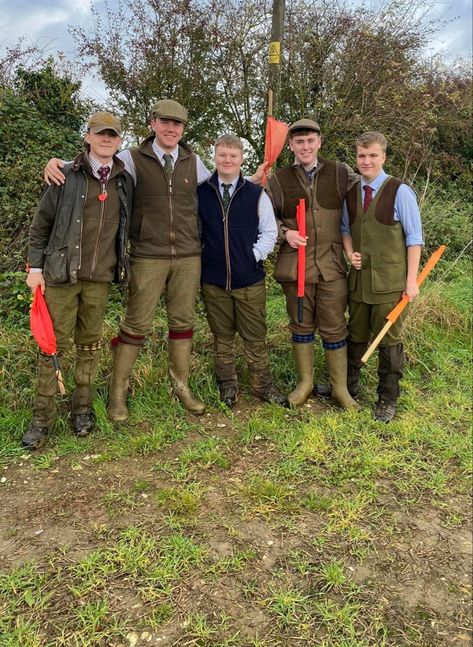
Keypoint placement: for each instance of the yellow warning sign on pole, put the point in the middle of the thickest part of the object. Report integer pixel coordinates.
(275, 52)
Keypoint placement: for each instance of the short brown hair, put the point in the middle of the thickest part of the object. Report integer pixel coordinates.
(367, 139)
(302, 132)
(232, 141)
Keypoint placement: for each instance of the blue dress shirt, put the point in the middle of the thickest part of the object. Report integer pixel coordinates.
(406, 210)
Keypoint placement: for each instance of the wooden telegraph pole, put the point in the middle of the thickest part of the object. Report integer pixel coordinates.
(275, 57)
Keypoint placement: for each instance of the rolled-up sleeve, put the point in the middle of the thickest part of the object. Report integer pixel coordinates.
(267, 229)
(406, 211)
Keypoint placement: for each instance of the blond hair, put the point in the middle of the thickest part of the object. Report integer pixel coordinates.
(232, 141)
(368, 139)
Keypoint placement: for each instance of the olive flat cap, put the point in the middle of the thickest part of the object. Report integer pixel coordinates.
(169, 109)
(304, 124)
(100, 121)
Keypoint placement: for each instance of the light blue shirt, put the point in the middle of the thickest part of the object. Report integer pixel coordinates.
(406, 210)
(267, 228)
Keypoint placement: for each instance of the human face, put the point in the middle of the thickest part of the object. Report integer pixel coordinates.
(168, 133)
(228, 162)
(305, 149)
(103, 145)
(370, 161)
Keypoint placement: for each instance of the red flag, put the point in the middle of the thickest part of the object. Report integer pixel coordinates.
(42, 329)
(276, 134)
(301, 224)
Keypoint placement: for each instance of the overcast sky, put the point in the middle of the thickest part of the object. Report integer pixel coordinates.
(45, 23)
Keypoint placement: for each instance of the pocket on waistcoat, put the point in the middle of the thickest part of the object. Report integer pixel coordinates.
(285, 268)
(387, 277)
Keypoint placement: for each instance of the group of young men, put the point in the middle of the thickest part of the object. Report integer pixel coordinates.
(189, 228)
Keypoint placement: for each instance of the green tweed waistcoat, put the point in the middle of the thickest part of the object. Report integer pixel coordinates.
(382, 244)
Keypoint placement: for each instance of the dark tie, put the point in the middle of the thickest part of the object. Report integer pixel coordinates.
(167, 164)
(103, 172)
(226, 195)
(310, 174)
(368, 197)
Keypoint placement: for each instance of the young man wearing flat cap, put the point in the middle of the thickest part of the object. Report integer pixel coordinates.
(322, 184)
(77, 246)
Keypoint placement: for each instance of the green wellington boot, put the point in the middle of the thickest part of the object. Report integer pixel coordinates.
(304, 358)
(124, 357)
(337, 371)
(179, 353)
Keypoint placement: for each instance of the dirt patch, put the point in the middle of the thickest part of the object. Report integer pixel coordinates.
(414, 577)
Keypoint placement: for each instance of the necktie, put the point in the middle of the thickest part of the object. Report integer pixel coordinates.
(103, 172)
(167, 164)
(310, 174)
(368, 197)
(226, 195)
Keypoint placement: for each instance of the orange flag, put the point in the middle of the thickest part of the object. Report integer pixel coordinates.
(42, 330)
(276, 134)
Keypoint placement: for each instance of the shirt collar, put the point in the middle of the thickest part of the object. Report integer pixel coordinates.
(95, 165)
(232, 184)
(377, 182)
(317, 165)
(158, 151)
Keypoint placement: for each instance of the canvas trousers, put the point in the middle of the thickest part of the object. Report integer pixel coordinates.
(325, 303)
(241, 311)
(77, 312)
(178, 279)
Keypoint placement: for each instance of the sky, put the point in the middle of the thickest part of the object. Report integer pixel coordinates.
(46, 22)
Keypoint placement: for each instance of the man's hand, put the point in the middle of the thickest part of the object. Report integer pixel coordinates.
(411, 290)
(258, 175)
(34, 279)
(294, 239)
(355, 260)
(53, 173)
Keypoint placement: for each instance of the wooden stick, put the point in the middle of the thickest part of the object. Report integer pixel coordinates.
(396, 311)
(375, 343)
(60, 383)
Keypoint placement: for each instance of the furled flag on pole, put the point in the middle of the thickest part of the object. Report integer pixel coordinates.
(301, 225)
(276, 134)
(42, 329)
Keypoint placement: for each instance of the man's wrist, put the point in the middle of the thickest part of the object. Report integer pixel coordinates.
(35, 270)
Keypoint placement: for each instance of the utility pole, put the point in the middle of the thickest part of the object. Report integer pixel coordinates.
(275, 48)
